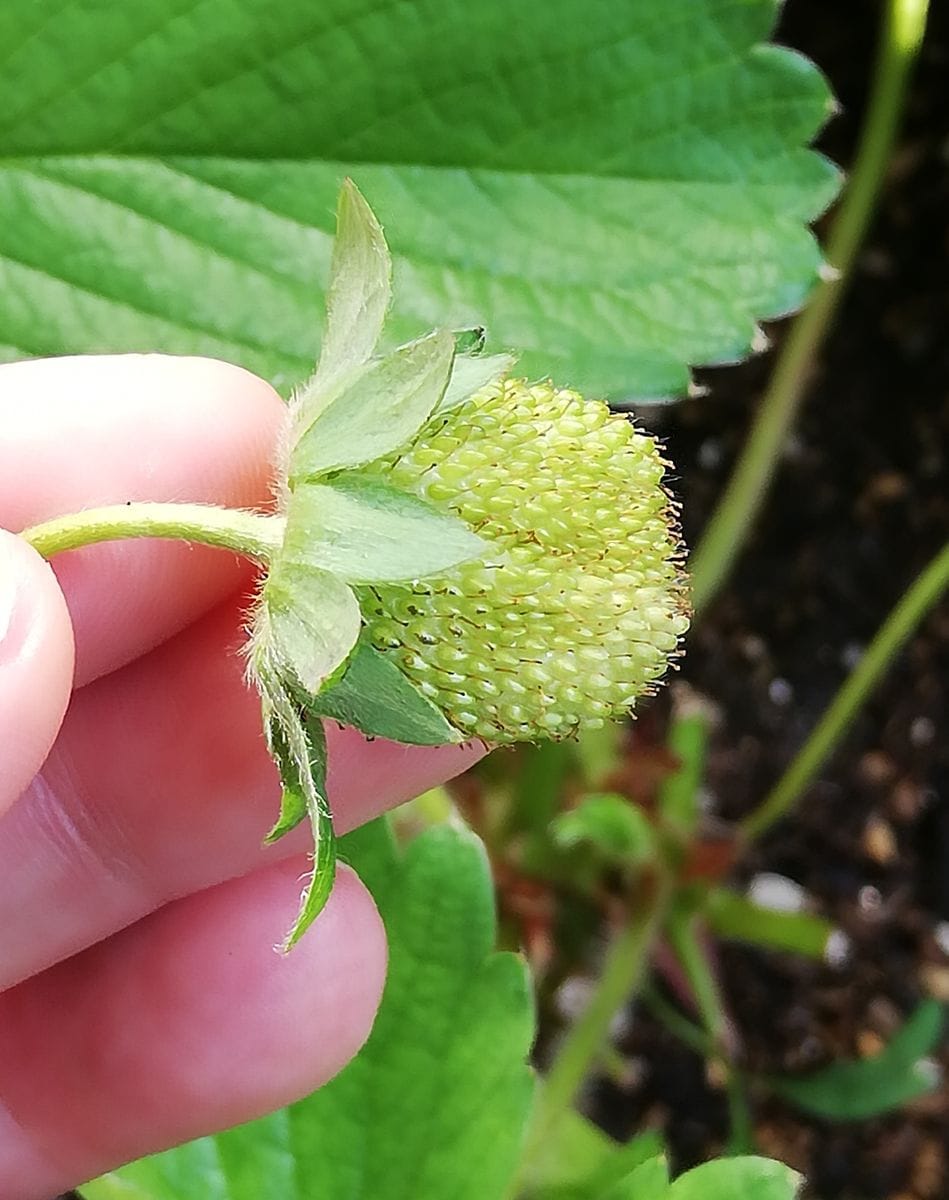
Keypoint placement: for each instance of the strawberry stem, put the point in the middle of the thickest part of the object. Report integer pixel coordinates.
(251, 534)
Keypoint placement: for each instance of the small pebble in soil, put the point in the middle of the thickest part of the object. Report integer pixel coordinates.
(879, 841)
(905, 802)
(631, 1073)
(709, 454)
(884, 1016)
(753, 647)
(929, 1071)
(934, 980)
(922, 731)
(780, 692)
(777, 892)
(838, 950)
(573, 996)
(869, 1043)
(869, 899)
(876, 767)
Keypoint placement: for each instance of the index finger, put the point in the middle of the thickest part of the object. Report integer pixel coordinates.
(80, 432)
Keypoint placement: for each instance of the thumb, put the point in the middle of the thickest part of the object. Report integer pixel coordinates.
(36, 664)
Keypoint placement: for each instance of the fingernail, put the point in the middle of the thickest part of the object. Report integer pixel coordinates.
(13, 626)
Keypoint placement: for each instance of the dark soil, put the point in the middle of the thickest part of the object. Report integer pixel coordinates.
(860, 504)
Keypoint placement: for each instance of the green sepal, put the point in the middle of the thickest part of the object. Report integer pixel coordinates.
(374, 410)
(375, 697)
(297, 741)
(470, 340)
(471, 373)
(363, 530)
(360, 287)
(310, 623)
(293, 808)
(358, 297)
(319, 885)
(292, 813)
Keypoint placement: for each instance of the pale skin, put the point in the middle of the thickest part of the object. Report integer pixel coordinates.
(141, 1000)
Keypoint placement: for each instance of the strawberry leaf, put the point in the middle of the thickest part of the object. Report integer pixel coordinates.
(293, 806)
(618, 189)
(410, 1116)
(733, 916)
(726, 1178)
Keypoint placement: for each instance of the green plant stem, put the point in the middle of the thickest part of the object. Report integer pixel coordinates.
(687, 739)
(899, 625)
(735, 514)
(683, 929)
(254, 535)
(678, 1025)
(537, 791)
(627, 959)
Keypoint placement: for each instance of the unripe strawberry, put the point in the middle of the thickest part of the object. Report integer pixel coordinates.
(580, 604)
(459, 555)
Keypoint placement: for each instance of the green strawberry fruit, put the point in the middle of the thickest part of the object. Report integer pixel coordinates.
(580, 601)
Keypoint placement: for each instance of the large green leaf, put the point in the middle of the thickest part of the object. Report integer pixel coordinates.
(638, 1171)
(617, 189)
(724, 1179)
(436, 1103)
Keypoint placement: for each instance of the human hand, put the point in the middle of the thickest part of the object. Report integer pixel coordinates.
(144, 1004)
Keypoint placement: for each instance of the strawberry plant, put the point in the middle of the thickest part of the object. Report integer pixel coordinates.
(470, 539)
(381, 606)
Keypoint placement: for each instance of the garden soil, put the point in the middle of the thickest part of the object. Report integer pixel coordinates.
(859, 505)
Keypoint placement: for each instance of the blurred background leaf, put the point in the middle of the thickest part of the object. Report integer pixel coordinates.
(611, 824)
(733, 916)
(854, 1091)
(437, 1102)
(581, 1163)
(729, 1178)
